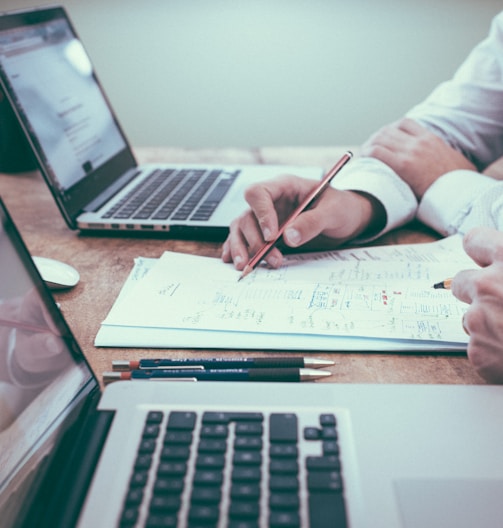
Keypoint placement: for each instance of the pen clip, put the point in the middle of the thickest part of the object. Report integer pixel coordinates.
(174, 367)
(171, 379)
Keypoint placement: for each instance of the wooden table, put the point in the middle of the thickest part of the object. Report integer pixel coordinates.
(104, 263)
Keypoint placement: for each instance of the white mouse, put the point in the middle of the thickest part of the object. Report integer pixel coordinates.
(57, 275)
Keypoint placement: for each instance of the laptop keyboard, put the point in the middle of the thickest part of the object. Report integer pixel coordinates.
(174, 194)
(236, 469)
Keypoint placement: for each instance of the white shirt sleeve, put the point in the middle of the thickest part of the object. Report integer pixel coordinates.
(467, 111)
(371, 176)
(460, 200)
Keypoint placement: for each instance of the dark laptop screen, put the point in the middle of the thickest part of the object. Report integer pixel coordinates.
(42, 371)
(52, 81)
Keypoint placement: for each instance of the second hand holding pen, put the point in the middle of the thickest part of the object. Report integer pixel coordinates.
(308, 200)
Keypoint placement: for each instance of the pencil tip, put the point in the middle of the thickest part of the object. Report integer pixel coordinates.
(438, 285)
(245, 272)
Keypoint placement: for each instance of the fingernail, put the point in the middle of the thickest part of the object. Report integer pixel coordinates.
(292, 236)
(273, 261)
(266, 233)
(238, 260)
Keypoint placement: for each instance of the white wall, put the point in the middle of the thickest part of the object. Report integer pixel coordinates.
(203, 73)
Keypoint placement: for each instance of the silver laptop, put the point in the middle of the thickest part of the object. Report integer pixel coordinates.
(84, 154)
(230, 454)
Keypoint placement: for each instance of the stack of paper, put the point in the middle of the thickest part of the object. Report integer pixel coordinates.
(370, 299)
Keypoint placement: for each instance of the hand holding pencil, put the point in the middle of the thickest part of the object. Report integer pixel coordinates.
(482, 291)
(308, 200)
(285, 208)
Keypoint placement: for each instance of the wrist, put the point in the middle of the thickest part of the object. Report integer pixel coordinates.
(372, 214)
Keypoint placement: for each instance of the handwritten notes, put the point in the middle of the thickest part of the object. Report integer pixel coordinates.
(363, 297)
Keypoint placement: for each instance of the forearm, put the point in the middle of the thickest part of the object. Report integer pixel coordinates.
(467, 111)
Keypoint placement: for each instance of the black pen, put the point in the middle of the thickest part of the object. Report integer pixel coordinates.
(222, 363)
(255, 374)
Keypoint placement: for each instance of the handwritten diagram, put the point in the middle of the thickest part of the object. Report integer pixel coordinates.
(384, 296)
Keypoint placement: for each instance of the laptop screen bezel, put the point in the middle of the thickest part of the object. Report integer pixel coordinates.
(74, 200)
(89, 387)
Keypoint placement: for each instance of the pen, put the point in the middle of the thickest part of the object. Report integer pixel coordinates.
(257, 374)
(310, 198)
(221, 363)
(444, 285)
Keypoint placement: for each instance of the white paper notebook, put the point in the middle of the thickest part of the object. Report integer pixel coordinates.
(377, 298)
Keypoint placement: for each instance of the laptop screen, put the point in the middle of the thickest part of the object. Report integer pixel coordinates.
(52, 78)
(48, 79)
(42, 371)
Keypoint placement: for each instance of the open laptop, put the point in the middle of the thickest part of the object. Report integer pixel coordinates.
(84, 154)
(226, 454)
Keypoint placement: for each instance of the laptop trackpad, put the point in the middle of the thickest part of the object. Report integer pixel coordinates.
(459, 503)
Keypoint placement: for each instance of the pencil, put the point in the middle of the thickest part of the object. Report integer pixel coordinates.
(307, 202)
(444, 285)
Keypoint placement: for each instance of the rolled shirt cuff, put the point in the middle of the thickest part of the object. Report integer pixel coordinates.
(449, 201)
(371, 176)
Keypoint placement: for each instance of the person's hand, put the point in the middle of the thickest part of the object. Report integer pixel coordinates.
(417, 155)
(483, 290)
(336, 217)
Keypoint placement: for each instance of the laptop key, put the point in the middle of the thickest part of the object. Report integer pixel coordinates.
(246, 474)
(323, 463)
(211, 445)
(181, 420)
(162, 521)
(226, 417)
(244, 510)
(283, 466)
(204, 514)
(129, 517)
(284, 519)
(249, 428)
(324, 480)
(326, 510)
(260, 464)
(243, 523)
(248, 442)
(284, 501)
(210, 461)
(209, 205)
(206, 494)
(283, 428)
(175, 452)
(165, 503)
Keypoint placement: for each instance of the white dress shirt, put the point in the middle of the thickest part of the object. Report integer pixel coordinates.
(467, 112)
